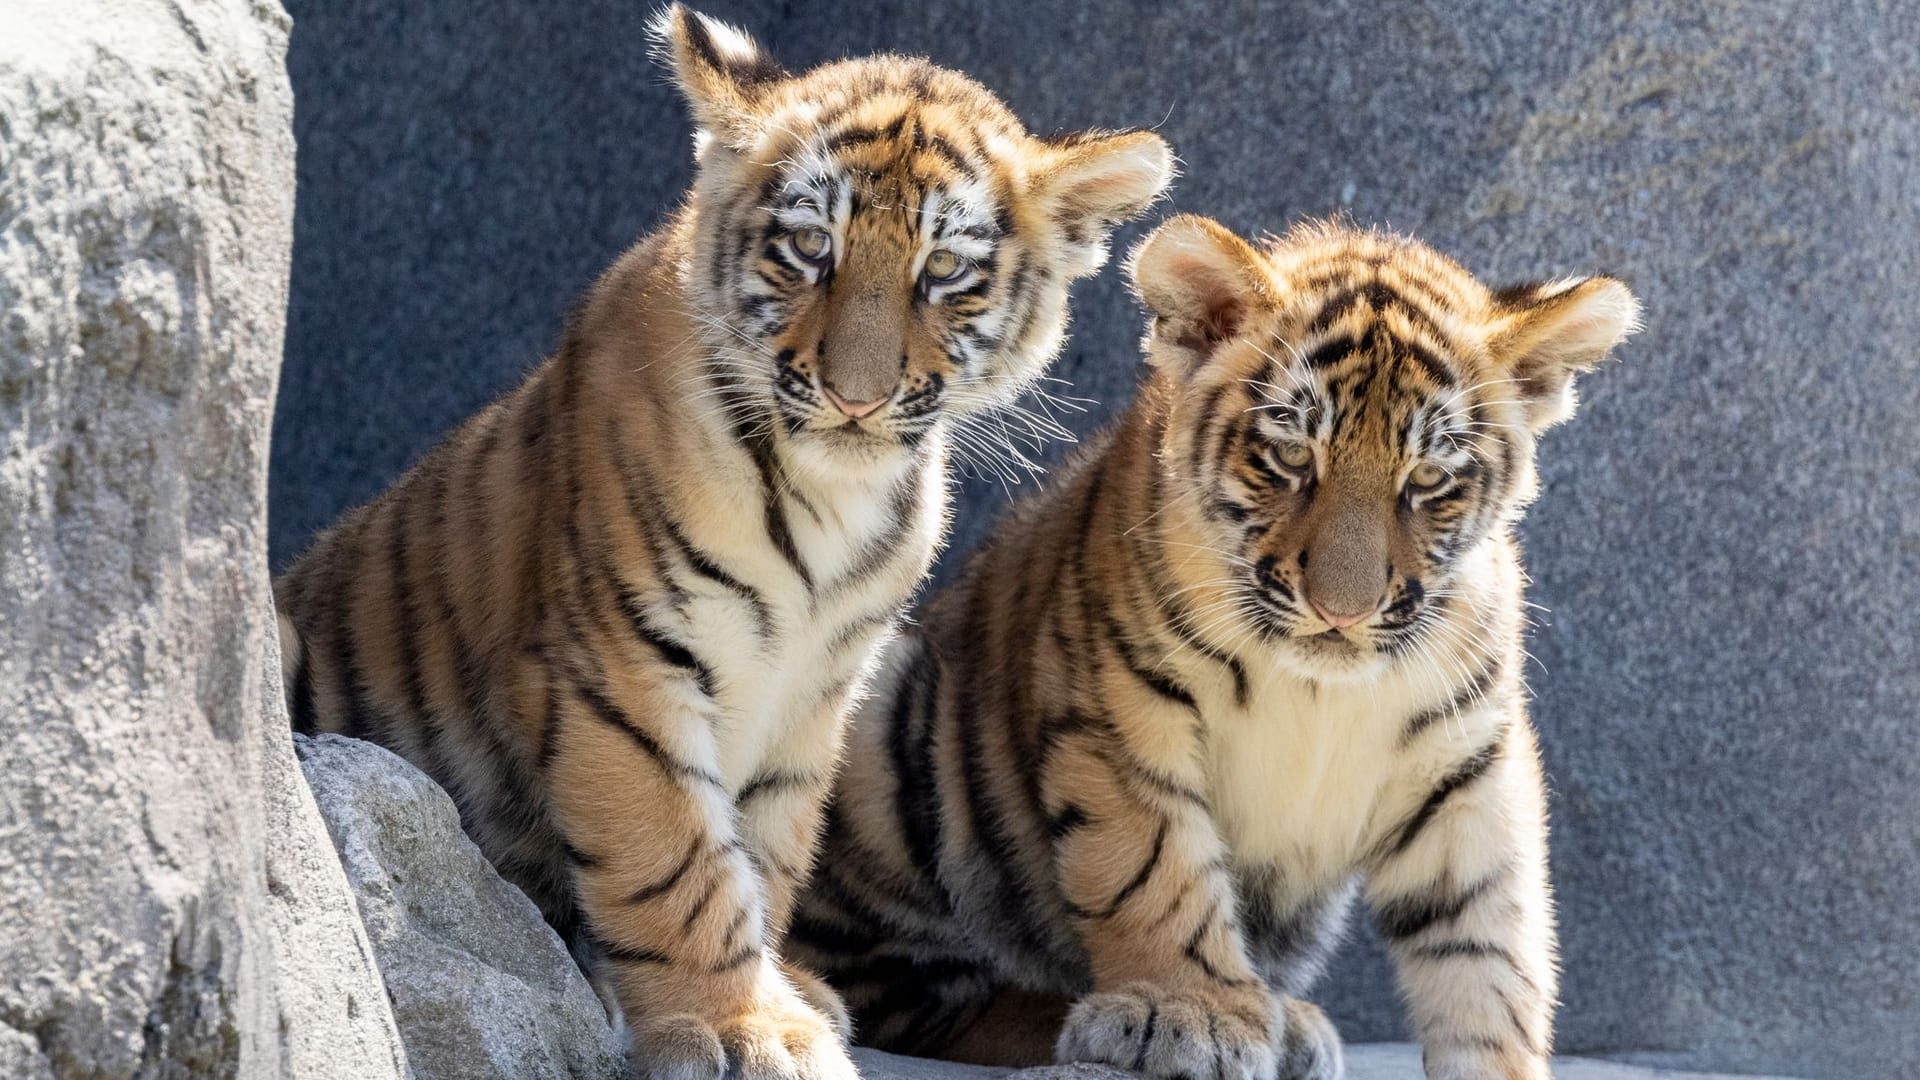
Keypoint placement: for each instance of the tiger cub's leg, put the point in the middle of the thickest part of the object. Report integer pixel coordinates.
(674, 897)
(780, 812)
(1291, 939)
(1461, 896)
(1174, 991)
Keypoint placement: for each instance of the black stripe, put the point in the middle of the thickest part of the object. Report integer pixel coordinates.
(304, 716)
(916, 795)
(1209, 413)
(1141, 877)
(1146, 1037)
(669, 650)
(1470, 770)
(734, 924)
(645, 504)
(1161, 684)
(1435, 367)
(698, 909)
(1014, 898)
(550, 723)
(407, 644)
(1066, 822)
(1406, 916)
(779, 531)
(1171, 611)
(519, 800)
(703, 564)
(859, 626)
(356, 716)
(904, 508)
(859, 135)
(1463, 950)
(628, 954)
(667, 884)
(775, 781)
(1332, 352)
(821, 937)
(617, 717)
(1193, 953)
(947, 152)
(1474, 692)
(747, 953)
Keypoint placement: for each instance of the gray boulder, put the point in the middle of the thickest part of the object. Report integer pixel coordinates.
(481, 986)
(1729, 541)
(171, 905)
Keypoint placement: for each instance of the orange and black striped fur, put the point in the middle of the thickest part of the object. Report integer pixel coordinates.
(1258, 648)
(620, 615)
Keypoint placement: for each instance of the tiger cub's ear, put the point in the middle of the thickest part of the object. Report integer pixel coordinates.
(1095, 180)
(1202, 283)
(1545, 334)
(722, 73)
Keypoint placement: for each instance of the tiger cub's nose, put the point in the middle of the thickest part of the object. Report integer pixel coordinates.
(854, 409)
(1340, 620)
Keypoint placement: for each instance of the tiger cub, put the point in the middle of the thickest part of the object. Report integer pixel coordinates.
(1260, 647)
(620, 614)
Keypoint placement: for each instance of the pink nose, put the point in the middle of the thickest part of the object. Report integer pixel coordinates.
(854, 409)
(1338, 621)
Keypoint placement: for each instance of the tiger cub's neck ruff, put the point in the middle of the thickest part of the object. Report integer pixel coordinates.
(620, 614)
(1261, 642)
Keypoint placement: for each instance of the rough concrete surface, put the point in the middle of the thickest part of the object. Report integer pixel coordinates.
(480, 985)
(171, 907)
(1728, 546)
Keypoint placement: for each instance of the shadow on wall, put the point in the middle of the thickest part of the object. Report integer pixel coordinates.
(1729, 541)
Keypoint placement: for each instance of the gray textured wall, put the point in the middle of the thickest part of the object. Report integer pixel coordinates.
(1729, 541)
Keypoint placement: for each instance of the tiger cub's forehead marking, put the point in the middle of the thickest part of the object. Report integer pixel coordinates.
(890, 169)
(1380, 299)
(1372, 325)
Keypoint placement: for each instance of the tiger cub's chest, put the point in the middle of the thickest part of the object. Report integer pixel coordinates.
(1307, 777)
(816, 598)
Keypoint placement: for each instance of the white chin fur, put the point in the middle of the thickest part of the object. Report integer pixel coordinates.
(1329, 666)
(822, 458)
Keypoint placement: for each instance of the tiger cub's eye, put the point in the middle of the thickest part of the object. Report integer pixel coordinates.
(1425, 476)
(943, 266)
(1294, 455)
(813, 244)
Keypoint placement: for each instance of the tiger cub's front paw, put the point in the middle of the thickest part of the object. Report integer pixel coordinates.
(1309, 1043)
(1225, 1034)
(824, 999)
(782, 1040)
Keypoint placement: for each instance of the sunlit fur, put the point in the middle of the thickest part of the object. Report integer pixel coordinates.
(1113, 795)
(620, 615)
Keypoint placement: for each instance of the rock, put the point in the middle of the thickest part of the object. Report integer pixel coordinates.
(172, 907)
(1729, 540)
(481, 986)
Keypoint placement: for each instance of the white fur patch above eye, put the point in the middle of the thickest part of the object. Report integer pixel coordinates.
(1444, 432)
(1289, 412)
(959, 216)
